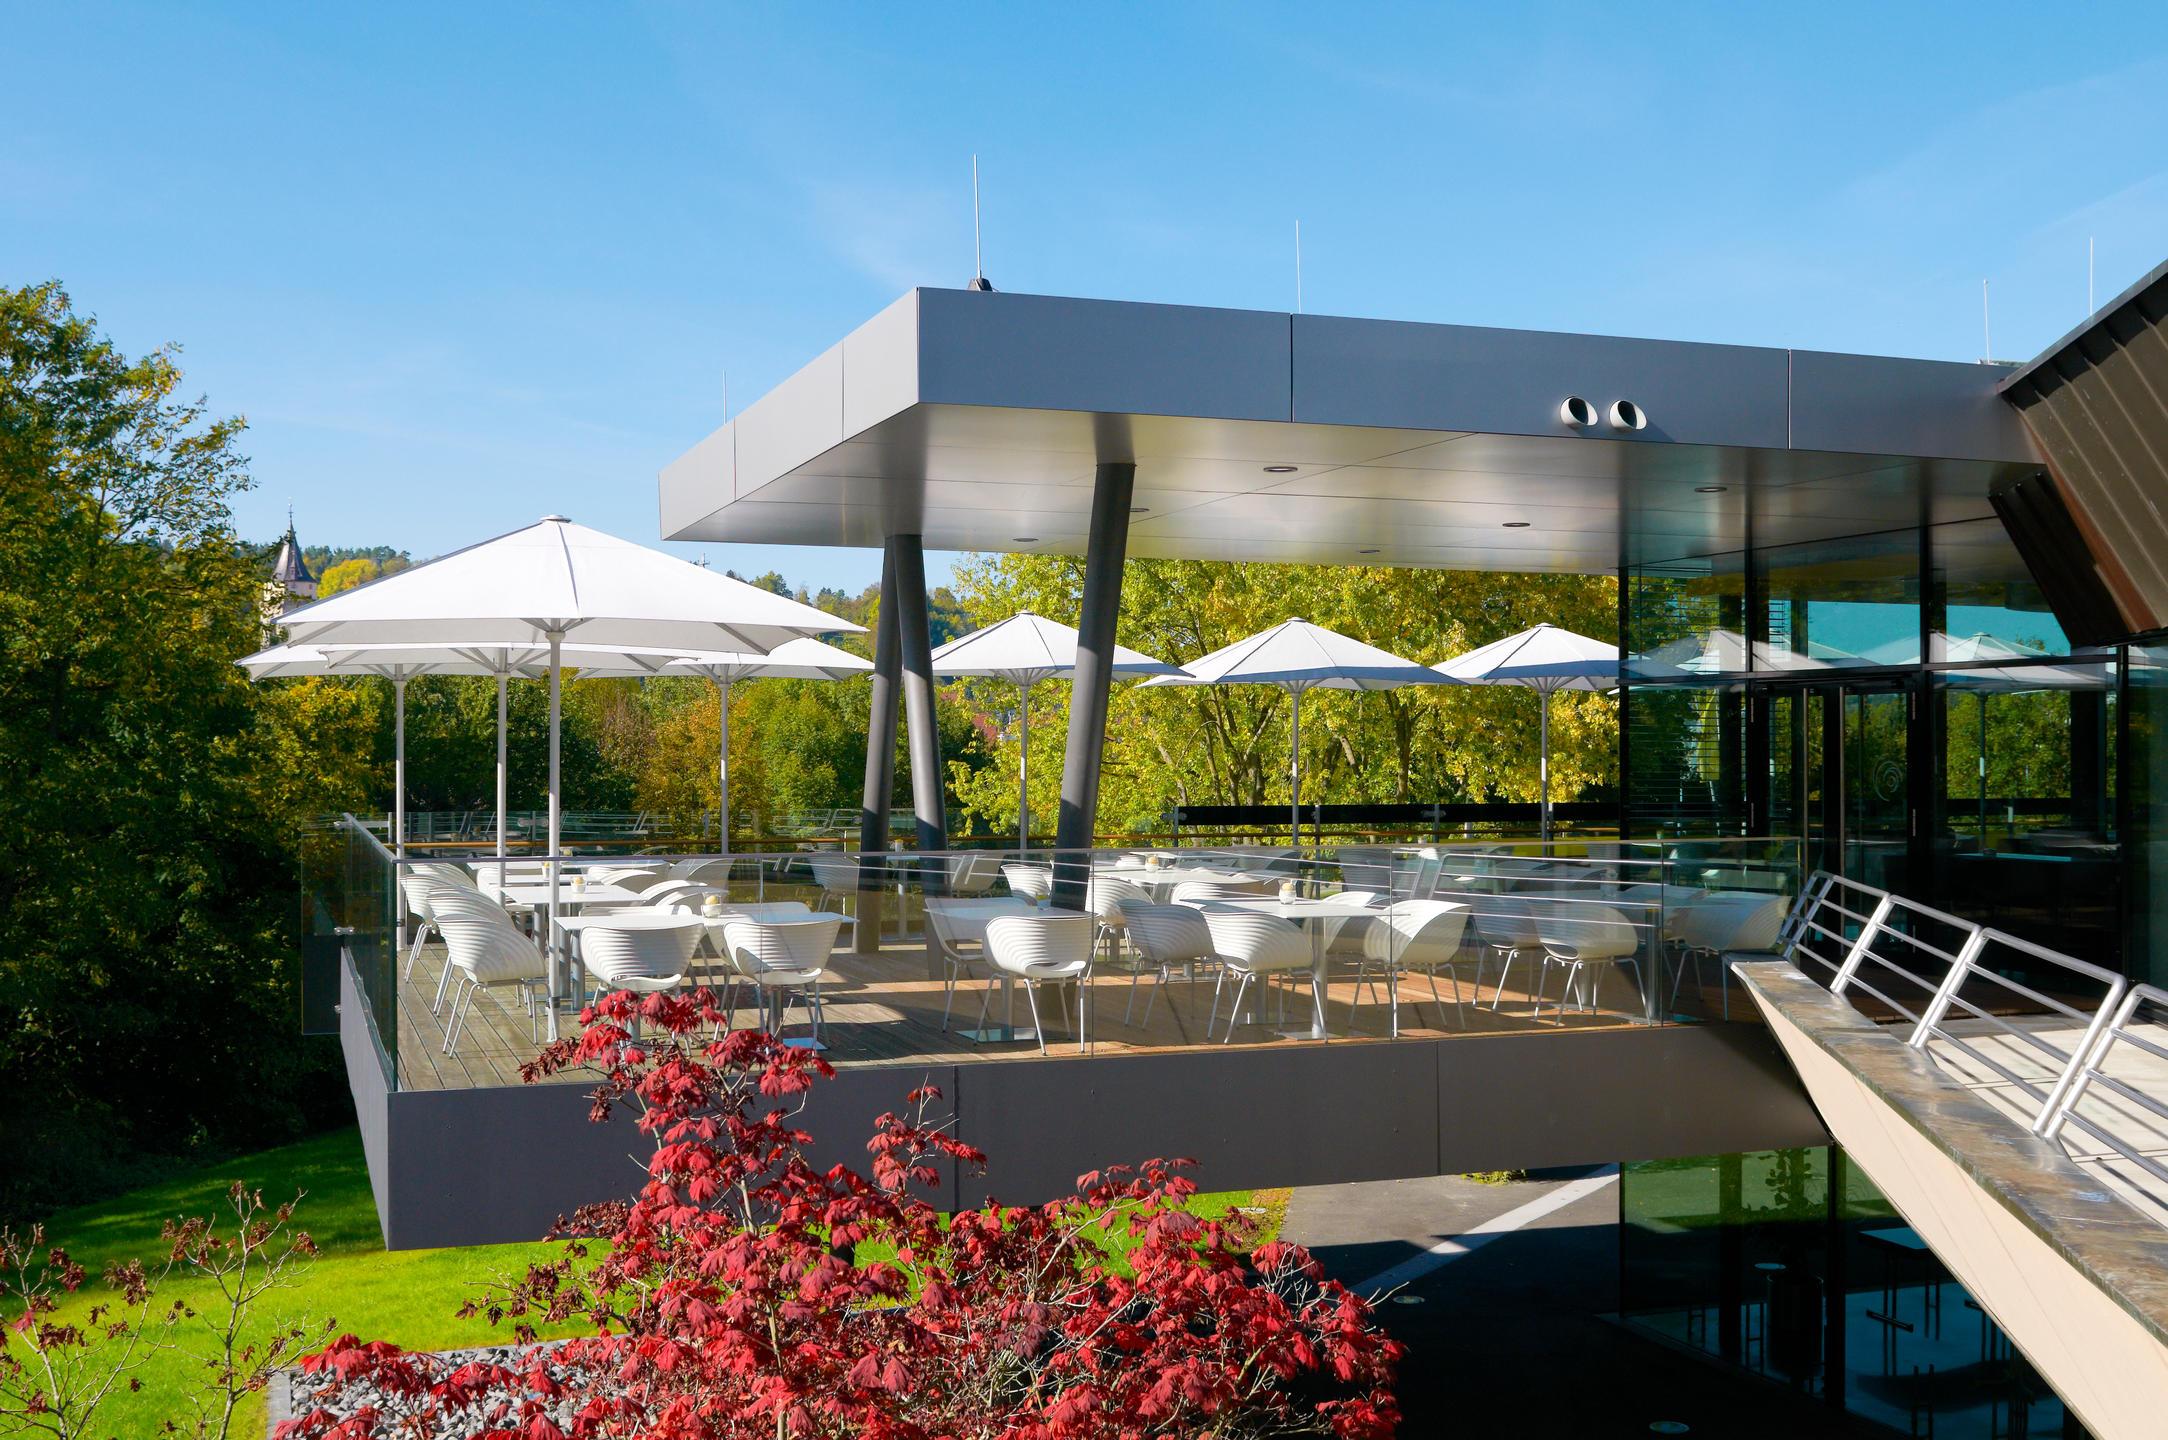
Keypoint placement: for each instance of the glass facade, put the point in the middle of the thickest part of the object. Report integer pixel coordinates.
(1791, 1265)
(1904, 701)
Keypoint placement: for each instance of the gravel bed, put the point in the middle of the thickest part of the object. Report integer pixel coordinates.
(292, 1393)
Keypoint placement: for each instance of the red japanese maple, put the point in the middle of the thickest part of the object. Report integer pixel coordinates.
(745, 1293)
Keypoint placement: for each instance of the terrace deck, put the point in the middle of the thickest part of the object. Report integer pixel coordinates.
(883, 1010)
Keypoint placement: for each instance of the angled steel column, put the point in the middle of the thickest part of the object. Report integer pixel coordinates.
(1103, 557)
(915, 644)
(880, 765)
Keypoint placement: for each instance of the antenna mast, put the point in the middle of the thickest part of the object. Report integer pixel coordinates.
(978, 259)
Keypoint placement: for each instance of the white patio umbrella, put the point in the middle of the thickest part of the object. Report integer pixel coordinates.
(1024, 650)
(401, 663)
(536, 586)
(1545, 659)
(1296, 656)
(804, 659)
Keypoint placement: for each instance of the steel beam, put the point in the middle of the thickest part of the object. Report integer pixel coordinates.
(1107, 548)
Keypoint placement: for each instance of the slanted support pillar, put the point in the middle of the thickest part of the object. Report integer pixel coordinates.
(880, 767)
(1104, 553)
(928, 784)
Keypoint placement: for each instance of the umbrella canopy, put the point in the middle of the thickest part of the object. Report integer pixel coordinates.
(1723, 652)
(541, 584)
(555, 578)
(1544, 659)
(1296, 656)
(1024, 650)
(802, 659)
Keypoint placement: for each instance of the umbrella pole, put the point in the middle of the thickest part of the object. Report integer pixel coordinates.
(1543, 762)
(1023, 778)
(398, 793)
(722, 767)
(1294, 774)
(549, 933)
(500, 777)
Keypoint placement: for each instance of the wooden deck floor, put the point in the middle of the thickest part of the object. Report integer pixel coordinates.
(881, 1009)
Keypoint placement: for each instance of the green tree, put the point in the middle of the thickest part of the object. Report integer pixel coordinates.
(147, 794)
(1228, 744)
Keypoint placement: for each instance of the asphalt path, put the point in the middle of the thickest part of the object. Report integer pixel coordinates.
(1510, 1337)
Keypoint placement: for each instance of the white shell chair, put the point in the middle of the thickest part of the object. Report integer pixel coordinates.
(1506, 925)
(416, 888)
(973, 874)
(1249, 947)
(1038, 950)
(1029, 882)
(450, 902)
(1190, 892)
(779, 957)
(640, 951)
(1160, 938)
(1420, 936)
(1719, 926)
(488, 954)
(837, 875)
(1577, 936)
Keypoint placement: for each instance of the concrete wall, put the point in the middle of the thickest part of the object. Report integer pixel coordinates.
(469, 1167)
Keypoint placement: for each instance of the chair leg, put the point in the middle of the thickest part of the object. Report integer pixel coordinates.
(950, 1004)
(986, 1002)
(1135, 974)
(1242, 986)
(1216, 984)
(443, 980)
(1031, 993)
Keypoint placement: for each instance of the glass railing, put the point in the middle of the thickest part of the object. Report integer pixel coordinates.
(349, 890)
(1357, 943)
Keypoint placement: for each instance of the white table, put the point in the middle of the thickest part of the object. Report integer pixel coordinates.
(956, 921)
(570, 900)
(1323, 919)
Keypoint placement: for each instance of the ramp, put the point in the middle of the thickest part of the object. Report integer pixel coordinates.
(2012, 1103)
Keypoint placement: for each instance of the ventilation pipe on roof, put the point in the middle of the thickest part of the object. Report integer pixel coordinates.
(1625, 415)
(1577, 412)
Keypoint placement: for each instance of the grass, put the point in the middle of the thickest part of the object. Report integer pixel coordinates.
(410, 1297)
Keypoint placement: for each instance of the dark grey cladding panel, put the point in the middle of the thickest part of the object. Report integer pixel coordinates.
(1038, 352)
(1398, 374)
(1875, 405)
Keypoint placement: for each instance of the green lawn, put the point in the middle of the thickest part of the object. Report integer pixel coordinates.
(410, 1298)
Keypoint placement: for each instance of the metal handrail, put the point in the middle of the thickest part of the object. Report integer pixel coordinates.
(1886, 944)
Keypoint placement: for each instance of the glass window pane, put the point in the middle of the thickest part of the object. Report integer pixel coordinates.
(1991, 607)
(1836, 604)
(1686, 618)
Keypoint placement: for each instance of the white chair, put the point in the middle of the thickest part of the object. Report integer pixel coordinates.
(837, 875)
(666, 893)
(641, 952)
(1039, 950)
(1160, 938)
(1506, 926)
(1106, 897)
(955, 959)
(1194, 892)
(459, 902)
(780, 958)
(1577, 936)
(1421, 936)
(415, 888)
(973, 874)
(1029, 882)
(1251, 947)
(487, 954)
(1720, 926)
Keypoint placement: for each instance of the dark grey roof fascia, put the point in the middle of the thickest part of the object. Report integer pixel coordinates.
(2095, 321)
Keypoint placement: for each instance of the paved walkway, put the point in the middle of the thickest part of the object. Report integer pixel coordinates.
(1510, 1339)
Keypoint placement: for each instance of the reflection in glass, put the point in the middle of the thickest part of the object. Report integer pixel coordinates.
(1843, 603)
(1685, 619)
(1791, 1264)
(1989, 601)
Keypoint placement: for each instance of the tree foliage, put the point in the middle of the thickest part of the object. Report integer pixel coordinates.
(1228, 744)
(746, 1293)
(147, 794)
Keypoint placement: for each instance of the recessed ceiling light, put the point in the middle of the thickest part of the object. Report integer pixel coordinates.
(1710, 489)
(1366, 552)
(1279, 469)
(1023, 539)
(1516, 524)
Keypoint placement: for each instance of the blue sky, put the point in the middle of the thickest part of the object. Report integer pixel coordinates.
(463, 265)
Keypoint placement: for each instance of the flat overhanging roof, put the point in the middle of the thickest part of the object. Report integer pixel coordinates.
(974, 419)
